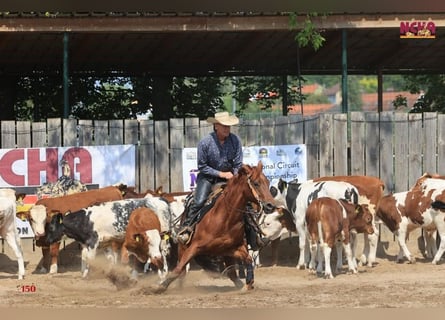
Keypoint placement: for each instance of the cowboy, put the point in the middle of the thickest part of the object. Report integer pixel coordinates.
(220, 157)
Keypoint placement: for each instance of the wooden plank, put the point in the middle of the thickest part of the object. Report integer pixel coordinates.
(131, 132)
(430, 143)
(372, 144)
(54, 131)
(70, 133)
(281, 131)
(23, 134)
(253, 133)
(162, 157)
(131, 136)
(116, 129)
(8, 134)
(146, 160)
(386, 149)
(415, 138)
(326, 144)
(191, 132)
(441, 144)
(312, 141)
(242, 131)
(341, 146)
(39, 134)
(358, 141)
(176, 147)
(401, 145)
(267, 132)
(85, 132)
(101, 137)
(206, 128)
(296, 129)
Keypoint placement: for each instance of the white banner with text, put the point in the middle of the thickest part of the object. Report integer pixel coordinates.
(101, 165)
(287, 162)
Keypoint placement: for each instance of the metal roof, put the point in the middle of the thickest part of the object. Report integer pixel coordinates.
(198, 44)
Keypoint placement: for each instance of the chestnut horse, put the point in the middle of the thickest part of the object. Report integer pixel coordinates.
(220, 233)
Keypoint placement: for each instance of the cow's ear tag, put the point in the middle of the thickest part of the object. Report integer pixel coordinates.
(357, 210)
(166, 237)
(138, 238)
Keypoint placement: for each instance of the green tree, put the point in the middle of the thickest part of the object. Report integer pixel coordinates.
(264, 92)
(431, 90)
(354, 94)
(197, 97)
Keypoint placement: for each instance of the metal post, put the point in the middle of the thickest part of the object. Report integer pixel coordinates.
(66, 108)
(379, 90)
(344, 68)
(284, 95)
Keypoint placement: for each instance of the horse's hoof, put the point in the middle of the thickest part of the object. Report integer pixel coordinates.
(238, 284)
(412, 260)
(159, 289)
(249, 286)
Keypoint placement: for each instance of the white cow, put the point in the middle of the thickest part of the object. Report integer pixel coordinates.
(8, 227)
(296, 197)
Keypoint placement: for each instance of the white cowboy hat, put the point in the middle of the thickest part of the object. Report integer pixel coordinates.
(224, 118)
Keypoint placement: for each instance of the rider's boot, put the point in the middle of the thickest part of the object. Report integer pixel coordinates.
(186, 230)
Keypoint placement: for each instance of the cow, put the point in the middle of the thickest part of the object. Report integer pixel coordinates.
(273, 226)
(371, 190)
(102, 224)
(63, 204)
(420, 206)
(329, 222)
(143, 240)
(296, 197)
(8, 228)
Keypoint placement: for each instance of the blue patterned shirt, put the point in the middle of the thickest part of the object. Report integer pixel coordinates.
(214, 157)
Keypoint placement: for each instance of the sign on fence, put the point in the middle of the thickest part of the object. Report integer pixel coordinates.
(287, 162)
(102, 165)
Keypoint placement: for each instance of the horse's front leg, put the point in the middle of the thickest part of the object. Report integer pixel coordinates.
(242, 254)
(231, 271)
(185, 255)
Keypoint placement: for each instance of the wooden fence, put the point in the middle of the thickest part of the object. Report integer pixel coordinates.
(397, 147)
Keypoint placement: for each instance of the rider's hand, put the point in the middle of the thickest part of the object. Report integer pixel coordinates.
(226, 175)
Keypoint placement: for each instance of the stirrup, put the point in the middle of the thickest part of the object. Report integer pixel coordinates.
(185, 235)
(186, 229)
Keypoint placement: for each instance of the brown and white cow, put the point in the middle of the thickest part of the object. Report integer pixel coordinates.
(40, 218)
(329, 222)
(421, 206)
(371, 190)
(296, 197)
(143, 240)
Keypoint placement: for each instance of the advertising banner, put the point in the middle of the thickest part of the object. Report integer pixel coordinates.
(287, 162)
(101, 165)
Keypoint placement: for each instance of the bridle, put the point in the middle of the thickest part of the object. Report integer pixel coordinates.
(255, 193)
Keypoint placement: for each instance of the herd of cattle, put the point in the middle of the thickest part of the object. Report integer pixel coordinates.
(325, 212)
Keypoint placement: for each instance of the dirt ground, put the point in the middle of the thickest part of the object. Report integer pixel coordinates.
(386, 285)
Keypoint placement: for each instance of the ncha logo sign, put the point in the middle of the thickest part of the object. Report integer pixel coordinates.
(418, 29)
